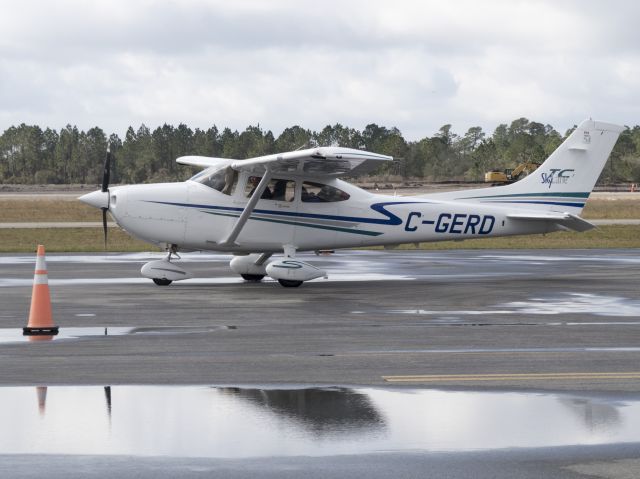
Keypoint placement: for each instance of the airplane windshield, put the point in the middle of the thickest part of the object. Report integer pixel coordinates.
(223, 180)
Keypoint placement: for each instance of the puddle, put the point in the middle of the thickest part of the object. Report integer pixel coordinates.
(542, 258)
(234, 422)
(562, 304)
(14, 335)
(579, 303)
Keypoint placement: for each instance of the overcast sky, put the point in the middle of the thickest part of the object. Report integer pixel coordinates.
(412, 64)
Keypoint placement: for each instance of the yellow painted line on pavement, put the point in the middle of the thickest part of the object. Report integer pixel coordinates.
(512, 377)
(489, 353)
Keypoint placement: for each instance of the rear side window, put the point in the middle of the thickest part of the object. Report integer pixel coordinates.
(320, 193)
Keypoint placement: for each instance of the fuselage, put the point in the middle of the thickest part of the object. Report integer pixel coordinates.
(194, 215)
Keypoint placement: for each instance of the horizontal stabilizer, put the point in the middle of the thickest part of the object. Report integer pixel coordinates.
(566, 220)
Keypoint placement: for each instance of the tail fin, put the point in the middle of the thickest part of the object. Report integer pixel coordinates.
(565, 180)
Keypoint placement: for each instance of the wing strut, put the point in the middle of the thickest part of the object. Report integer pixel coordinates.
(230, 240)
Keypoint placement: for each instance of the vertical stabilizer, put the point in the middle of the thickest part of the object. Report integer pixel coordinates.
(564, 181)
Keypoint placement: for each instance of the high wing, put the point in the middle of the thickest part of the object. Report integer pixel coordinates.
(321, 161)
(203, 161)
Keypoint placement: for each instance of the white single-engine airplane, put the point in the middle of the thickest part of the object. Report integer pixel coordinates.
(290, 202)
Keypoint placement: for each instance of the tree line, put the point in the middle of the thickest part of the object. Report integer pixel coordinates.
(31, 155)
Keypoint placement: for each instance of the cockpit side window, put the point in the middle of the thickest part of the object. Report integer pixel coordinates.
(223, 180)
(277, 189)
(320, 193)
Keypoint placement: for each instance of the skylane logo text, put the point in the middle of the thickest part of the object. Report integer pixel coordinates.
(556, 176)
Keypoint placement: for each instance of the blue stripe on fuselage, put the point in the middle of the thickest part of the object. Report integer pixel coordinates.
(392, 220)
(559, 203)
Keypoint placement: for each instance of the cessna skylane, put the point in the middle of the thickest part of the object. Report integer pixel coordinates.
(291, 202)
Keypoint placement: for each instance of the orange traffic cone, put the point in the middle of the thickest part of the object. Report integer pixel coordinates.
(40, 318)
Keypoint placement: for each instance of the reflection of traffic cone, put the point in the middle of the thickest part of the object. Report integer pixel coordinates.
(40, 318)
(41, 391)
(107, 396)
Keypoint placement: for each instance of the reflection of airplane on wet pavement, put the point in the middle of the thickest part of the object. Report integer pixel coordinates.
(41, 392)
(598, 416)
(319, 410)
(294, 202)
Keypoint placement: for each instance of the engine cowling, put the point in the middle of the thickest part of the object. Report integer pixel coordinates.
(247, 265)
(163, 269)
(293, 270)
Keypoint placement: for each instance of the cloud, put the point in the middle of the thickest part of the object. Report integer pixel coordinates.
(415, 65)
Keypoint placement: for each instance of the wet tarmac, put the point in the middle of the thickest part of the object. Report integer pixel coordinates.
(535, 356)
(381, 316)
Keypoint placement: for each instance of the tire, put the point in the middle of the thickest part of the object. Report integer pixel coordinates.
(162, 281)
(289, 283)
(252, 277)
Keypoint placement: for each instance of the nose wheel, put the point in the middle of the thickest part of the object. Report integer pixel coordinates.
(172, 250)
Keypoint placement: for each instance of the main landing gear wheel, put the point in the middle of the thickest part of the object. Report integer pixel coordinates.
(252, 277)
(162, 281)
(289, 283)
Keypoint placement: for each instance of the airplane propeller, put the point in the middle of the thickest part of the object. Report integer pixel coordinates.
(101, 198)
(106, 175)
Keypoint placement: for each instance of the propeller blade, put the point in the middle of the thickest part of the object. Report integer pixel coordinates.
(106, 174)
(104, 225)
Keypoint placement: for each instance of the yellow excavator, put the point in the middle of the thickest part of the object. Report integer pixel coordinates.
(501, 177)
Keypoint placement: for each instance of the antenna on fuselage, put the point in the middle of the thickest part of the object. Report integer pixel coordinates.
(306, 144)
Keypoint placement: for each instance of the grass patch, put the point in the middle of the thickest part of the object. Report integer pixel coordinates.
(21, 240)
(34, 209)
(91, 240)
(611, 209)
